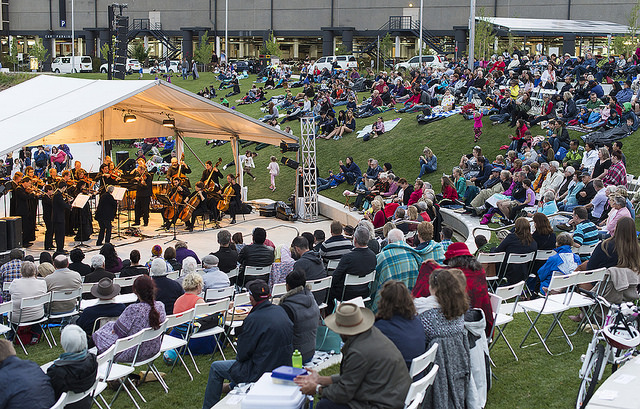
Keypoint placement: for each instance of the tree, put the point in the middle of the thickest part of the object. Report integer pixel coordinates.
(386, 46)
(12, 58)
(485, 38)
(341, 50)
(105, 49)
(627, 44)
(40, 52)
(140, 53)
(204, 50)
(272, 47)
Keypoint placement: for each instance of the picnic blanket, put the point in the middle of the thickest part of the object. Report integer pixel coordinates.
(388, 125)
(436, 115)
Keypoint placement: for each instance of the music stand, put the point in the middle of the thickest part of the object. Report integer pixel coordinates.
(118, 194)
(80, 201)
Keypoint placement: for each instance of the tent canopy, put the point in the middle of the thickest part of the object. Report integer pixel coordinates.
(55, 110)
(541, 26)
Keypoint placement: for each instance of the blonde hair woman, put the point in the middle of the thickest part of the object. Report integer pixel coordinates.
(192, 285)
(377, 216)
(428, 162)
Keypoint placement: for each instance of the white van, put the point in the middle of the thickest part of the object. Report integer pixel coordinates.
(344, 62)
(63, 64)
(433, 61)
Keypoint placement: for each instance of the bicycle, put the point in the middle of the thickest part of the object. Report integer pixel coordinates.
(615, 342)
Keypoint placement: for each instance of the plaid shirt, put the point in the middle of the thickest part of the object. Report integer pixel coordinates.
(616, 175)
(445, 244)
(8, 272)
(399, 261)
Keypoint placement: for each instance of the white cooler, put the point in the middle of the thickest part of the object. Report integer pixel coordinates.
(265, 394)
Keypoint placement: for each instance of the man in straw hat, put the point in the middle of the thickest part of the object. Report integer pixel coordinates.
(105, 291)
(373, 373)
(266, 342)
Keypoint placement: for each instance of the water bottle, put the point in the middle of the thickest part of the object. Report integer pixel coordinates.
(296, 359)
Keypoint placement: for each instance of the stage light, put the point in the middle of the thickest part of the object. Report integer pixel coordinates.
(128, 118)
(290, 163)
(289, 147)
(169, 123)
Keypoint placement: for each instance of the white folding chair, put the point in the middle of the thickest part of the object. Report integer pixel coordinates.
(100, 321)
(62, 401)
(515, 259)
(207, 309)
(240, 299)
(233, 273)
(215, 294)
(500, 319)
(420, 363)
(6, 285)
(182, 323)
(73, 397)
(103, 362)
(113, 371)
(491, 258)
(31, 302)
(279, 290)
(150, 334)
(125, 281)
(546, 306)
(321, 284)
(86, 288)
(5, 310)
(332, 265)
(585, 250)
(419, 387)
(251, 272)
(61, 296)
(417, 402)
(351, 280)
(174, 275)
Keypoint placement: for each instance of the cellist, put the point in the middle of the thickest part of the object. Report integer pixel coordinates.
(202, 208)
(177, 194)
(232, 192)
(211, 173)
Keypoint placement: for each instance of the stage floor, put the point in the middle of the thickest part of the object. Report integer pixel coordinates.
(201, 241)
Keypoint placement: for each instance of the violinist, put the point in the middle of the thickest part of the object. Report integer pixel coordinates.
(115, 173)
(177, 168)
(59, 207)
(34, 188)
(46, 216)
(15, 183)
(53, 178)
(77, 167)
(211, 173)
(144, 191)
(25, 208)
(232, 193)
(177, 194)
(202, 208)
(35, 181)
(81, 217)
(104, 177)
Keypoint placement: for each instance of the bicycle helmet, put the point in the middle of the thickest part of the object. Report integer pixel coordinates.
(620, 337)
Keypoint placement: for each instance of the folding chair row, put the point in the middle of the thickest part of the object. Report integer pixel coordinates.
(500, 320)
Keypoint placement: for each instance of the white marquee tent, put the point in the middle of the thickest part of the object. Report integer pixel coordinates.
(56, 110)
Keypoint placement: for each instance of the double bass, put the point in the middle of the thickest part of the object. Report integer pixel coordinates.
(209, 185)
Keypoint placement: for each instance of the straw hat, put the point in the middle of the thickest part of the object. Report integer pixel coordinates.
(349, 319)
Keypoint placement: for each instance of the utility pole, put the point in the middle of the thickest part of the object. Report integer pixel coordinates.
(420, 41)
(472, 33)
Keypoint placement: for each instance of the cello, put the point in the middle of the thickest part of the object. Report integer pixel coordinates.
(176, 198)
(223, 204)
(191, 205)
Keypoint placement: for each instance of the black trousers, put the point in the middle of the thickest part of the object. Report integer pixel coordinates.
(105, 231)
(48, 235)
(58, 230)
(141, 209)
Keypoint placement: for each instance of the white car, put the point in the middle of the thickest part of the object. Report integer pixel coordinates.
(173, 66)
(344, 62)
(63, 64)
(434, 61)
(132, 65)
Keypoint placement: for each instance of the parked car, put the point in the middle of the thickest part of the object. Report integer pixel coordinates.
(344, 62)
(174, 66)
(434, 61)
(63, 64)
(132, 65)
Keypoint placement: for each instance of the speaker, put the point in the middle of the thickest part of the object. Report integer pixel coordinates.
(14, 231)
(121, 156)
(3, 235)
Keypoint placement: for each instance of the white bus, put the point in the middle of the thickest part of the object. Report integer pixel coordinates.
(63, 64)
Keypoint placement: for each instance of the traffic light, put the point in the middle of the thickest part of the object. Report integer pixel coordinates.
(120, 63)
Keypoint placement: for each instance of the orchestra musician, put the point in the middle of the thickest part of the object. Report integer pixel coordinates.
(105, 213)
(203, 207)
(59, 206)
(81, 218)
(144, 191)
(15, 182)
(235, 197)
(177, 168)
(53, 178)
(178, 193)
(77, 167)
(36, 185)
(215, 177)
(25, 201)
(73, 217)
(46, 216)
(104, 177)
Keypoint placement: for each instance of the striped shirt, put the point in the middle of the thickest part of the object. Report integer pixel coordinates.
(335, 247)
(586, 233)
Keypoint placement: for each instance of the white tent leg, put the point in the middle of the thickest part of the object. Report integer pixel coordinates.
(102, 136)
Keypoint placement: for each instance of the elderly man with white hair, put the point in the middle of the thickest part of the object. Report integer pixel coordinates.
(213, 277)
(76, 369)
(99, 272)
(167, 290)
(397, 261)
(63, 279)
(553, 180)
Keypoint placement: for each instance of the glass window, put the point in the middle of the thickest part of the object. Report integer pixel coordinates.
(86, 60)
(414, 60)
(352, 58)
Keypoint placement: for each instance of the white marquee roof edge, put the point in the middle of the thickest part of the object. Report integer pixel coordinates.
(556, 25)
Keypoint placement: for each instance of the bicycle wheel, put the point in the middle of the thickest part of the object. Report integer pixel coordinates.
(591, 377)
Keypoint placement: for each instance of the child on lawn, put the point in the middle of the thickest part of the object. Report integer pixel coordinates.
(274, 170)
(477, 125)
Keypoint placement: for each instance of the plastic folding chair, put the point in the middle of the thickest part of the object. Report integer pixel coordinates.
(125, 281)
(207, 309)
(62, 401)
(31, 302)
(585, 250)
(174, 275)
(491, 258)
(100, 321)
(252, 271)
(5, 310)
(500, 320)
(515, 259)
(546, 306)
(113, 371)
(417, 402)
(215, 294)
(420, 363)
(64, 295)
(279, 290)
(6, 285)
(73, 397)
(150, 334)
(182, 323)
(321, 284)
(419, 387)
(353, 280)
(86, 288)
(240, 299)
(332, 265)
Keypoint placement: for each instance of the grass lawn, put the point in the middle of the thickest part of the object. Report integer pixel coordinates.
(535, 381)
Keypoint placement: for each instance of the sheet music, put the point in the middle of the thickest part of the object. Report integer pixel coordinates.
(80, 201)
(118, 192)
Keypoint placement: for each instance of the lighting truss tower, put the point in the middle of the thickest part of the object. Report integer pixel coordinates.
(308, 163)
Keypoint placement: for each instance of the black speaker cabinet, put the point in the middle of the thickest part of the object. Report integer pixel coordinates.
(3, 235)
(14, 231)
(121, 156)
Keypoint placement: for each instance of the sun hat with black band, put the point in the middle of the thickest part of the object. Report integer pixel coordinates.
(105, 289)
(349, 319)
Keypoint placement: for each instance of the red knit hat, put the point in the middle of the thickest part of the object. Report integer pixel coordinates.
(455, 250)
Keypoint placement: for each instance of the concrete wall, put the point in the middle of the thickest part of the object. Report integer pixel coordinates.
(306, 15)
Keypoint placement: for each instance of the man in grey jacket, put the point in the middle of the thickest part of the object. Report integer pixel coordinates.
(309, 263)
(373, 374)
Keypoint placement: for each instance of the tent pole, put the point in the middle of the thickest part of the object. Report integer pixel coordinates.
(102, 135)
(179, 147)
(236, 159)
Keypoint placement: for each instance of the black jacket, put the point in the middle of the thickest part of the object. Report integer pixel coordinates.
(303, 311)
(255, 255)
(59, 206)
(360, 262)
(266, 342)
(107, 207)
(89, 315)
(24, 385)
(74, 376)
(512, 244)
(97, 275)
(227, 259)
(145, 190)
(168, 291)
(312, 266)
(405, 195)
(80, 267)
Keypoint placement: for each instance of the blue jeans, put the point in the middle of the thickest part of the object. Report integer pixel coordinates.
(323, 184)
(500, 118)
(474, 91)
(327, 404)
(220, 370)
(425, 169)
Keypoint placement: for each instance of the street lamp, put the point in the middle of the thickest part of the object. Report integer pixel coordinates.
(420, 40)
(73, 35)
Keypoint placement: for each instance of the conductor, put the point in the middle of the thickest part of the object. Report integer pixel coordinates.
(105, 213)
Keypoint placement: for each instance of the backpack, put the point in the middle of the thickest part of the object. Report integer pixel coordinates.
(562, 152)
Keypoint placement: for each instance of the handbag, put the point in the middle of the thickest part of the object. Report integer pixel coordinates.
(327, 340)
